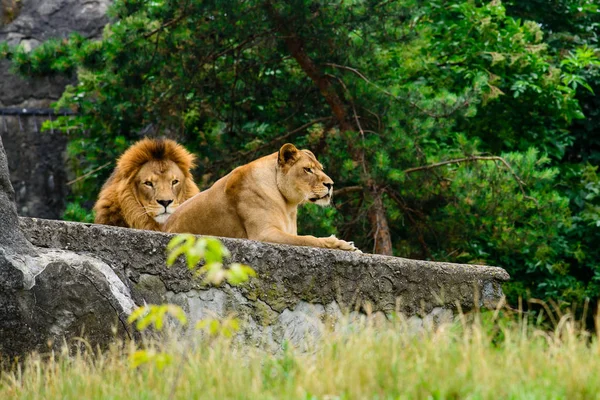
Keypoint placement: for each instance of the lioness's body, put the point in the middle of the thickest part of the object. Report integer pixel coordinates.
(259, 201)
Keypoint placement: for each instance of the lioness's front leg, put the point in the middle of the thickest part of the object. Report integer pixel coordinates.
(275, 235)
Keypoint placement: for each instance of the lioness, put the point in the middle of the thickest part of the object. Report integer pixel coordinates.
(259, 201)
(151, 180)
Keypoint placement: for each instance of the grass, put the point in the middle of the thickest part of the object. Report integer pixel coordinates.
(492, 356)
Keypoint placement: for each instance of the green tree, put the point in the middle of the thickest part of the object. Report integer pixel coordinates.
(443, 123)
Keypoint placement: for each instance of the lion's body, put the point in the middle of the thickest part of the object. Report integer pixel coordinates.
(151, 180)
(259, 201)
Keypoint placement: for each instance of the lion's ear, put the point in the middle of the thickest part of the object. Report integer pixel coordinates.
(288, 154)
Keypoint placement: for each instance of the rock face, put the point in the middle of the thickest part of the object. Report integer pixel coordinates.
(11, 237)
(37, 166)
(298, 288)
(37, 21)
(39, 174)
(48, 295)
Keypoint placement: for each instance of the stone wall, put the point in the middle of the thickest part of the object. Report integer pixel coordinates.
(37, 159)
(297, 287)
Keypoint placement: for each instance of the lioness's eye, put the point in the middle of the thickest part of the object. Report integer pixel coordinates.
(308, 170)
(148, 183)
(175, 181)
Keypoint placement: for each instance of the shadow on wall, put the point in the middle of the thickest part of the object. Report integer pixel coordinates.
(37, 159)
(37, 164)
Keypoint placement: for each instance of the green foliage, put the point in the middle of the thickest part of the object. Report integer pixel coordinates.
(219, 327)
(212, 251)
(159, 359)
(475, 121)
(195, 250)
(154, 315)
(75, 212)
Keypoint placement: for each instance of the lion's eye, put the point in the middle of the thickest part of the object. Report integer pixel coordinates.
(148, 183)
(175, 181)
(308, 170)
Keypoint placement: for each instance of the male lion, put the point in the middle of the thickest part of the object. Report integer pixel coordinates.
(151, 180)
(259, 201)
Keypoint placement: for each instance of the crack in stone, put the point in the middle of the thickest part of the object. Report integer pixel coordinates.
(123, 323)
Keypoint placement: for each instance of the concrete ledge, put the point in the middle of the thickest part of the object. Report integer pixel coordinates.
(296, 287)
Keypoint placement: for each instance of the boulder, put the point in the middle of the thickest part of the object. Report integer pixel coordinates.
(48, 295)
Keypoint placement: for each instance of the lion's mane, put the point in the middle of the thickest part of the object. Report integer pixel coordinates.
(122, 203)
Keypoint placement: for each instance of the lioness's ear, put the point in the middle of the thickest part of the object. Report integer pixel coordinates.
(288, 154)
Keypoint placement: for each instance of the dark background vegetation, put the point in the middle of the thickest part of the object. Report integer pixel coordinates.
(465, 131)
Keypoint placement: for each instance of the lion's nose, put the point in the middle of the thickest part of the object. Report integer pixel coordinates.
(164, 203)
(328, 185)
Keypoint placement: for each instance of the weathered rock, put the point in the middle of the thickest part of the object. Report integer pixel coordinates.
(37, 159)
(49, 295)
(37, 21)
(10, 234)
(37, 166)
(297, 287)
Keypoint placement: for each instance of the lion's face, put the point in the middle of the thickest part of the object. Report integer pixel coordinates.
(300, 177)
(159, 186)
(151, 179)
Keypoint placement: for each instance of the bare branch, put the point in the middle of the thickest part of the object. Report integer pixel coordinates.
(348, 189)
(357, 119)
(84, 176)
(281, 138)
(408, 212)
(411, 103)
(163, 26)
(476, 158)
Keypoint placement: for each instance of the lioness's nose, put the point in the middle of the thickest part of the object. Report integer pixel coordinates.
(328, 185)
(164, 203)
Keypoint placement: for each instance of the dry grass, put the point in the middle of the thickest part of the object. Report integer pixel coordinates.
(9, 10)
(499, 358)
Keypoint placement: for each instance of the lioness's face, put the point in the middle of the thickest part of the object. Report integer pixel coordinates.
(302, 178)
(159, 187)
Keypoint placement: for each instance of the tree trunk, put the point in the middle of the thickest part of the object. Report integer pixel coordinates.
(295, 45)
(379, 223)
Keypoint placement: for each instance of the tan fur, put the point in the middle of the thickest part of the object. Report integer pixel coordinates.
(149, 172)
(259, 201)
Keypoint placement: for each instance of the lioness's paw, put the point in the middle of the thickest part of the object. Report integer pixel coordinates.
(335, 243)
(356, 249)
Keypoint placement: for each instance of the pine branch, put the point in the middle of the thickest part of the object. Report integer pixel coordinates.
(282, 138)
(297, 50)
(279, 139)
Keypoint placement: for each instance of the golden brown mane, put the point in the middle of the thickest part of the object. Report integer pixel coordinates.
(151, 179)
